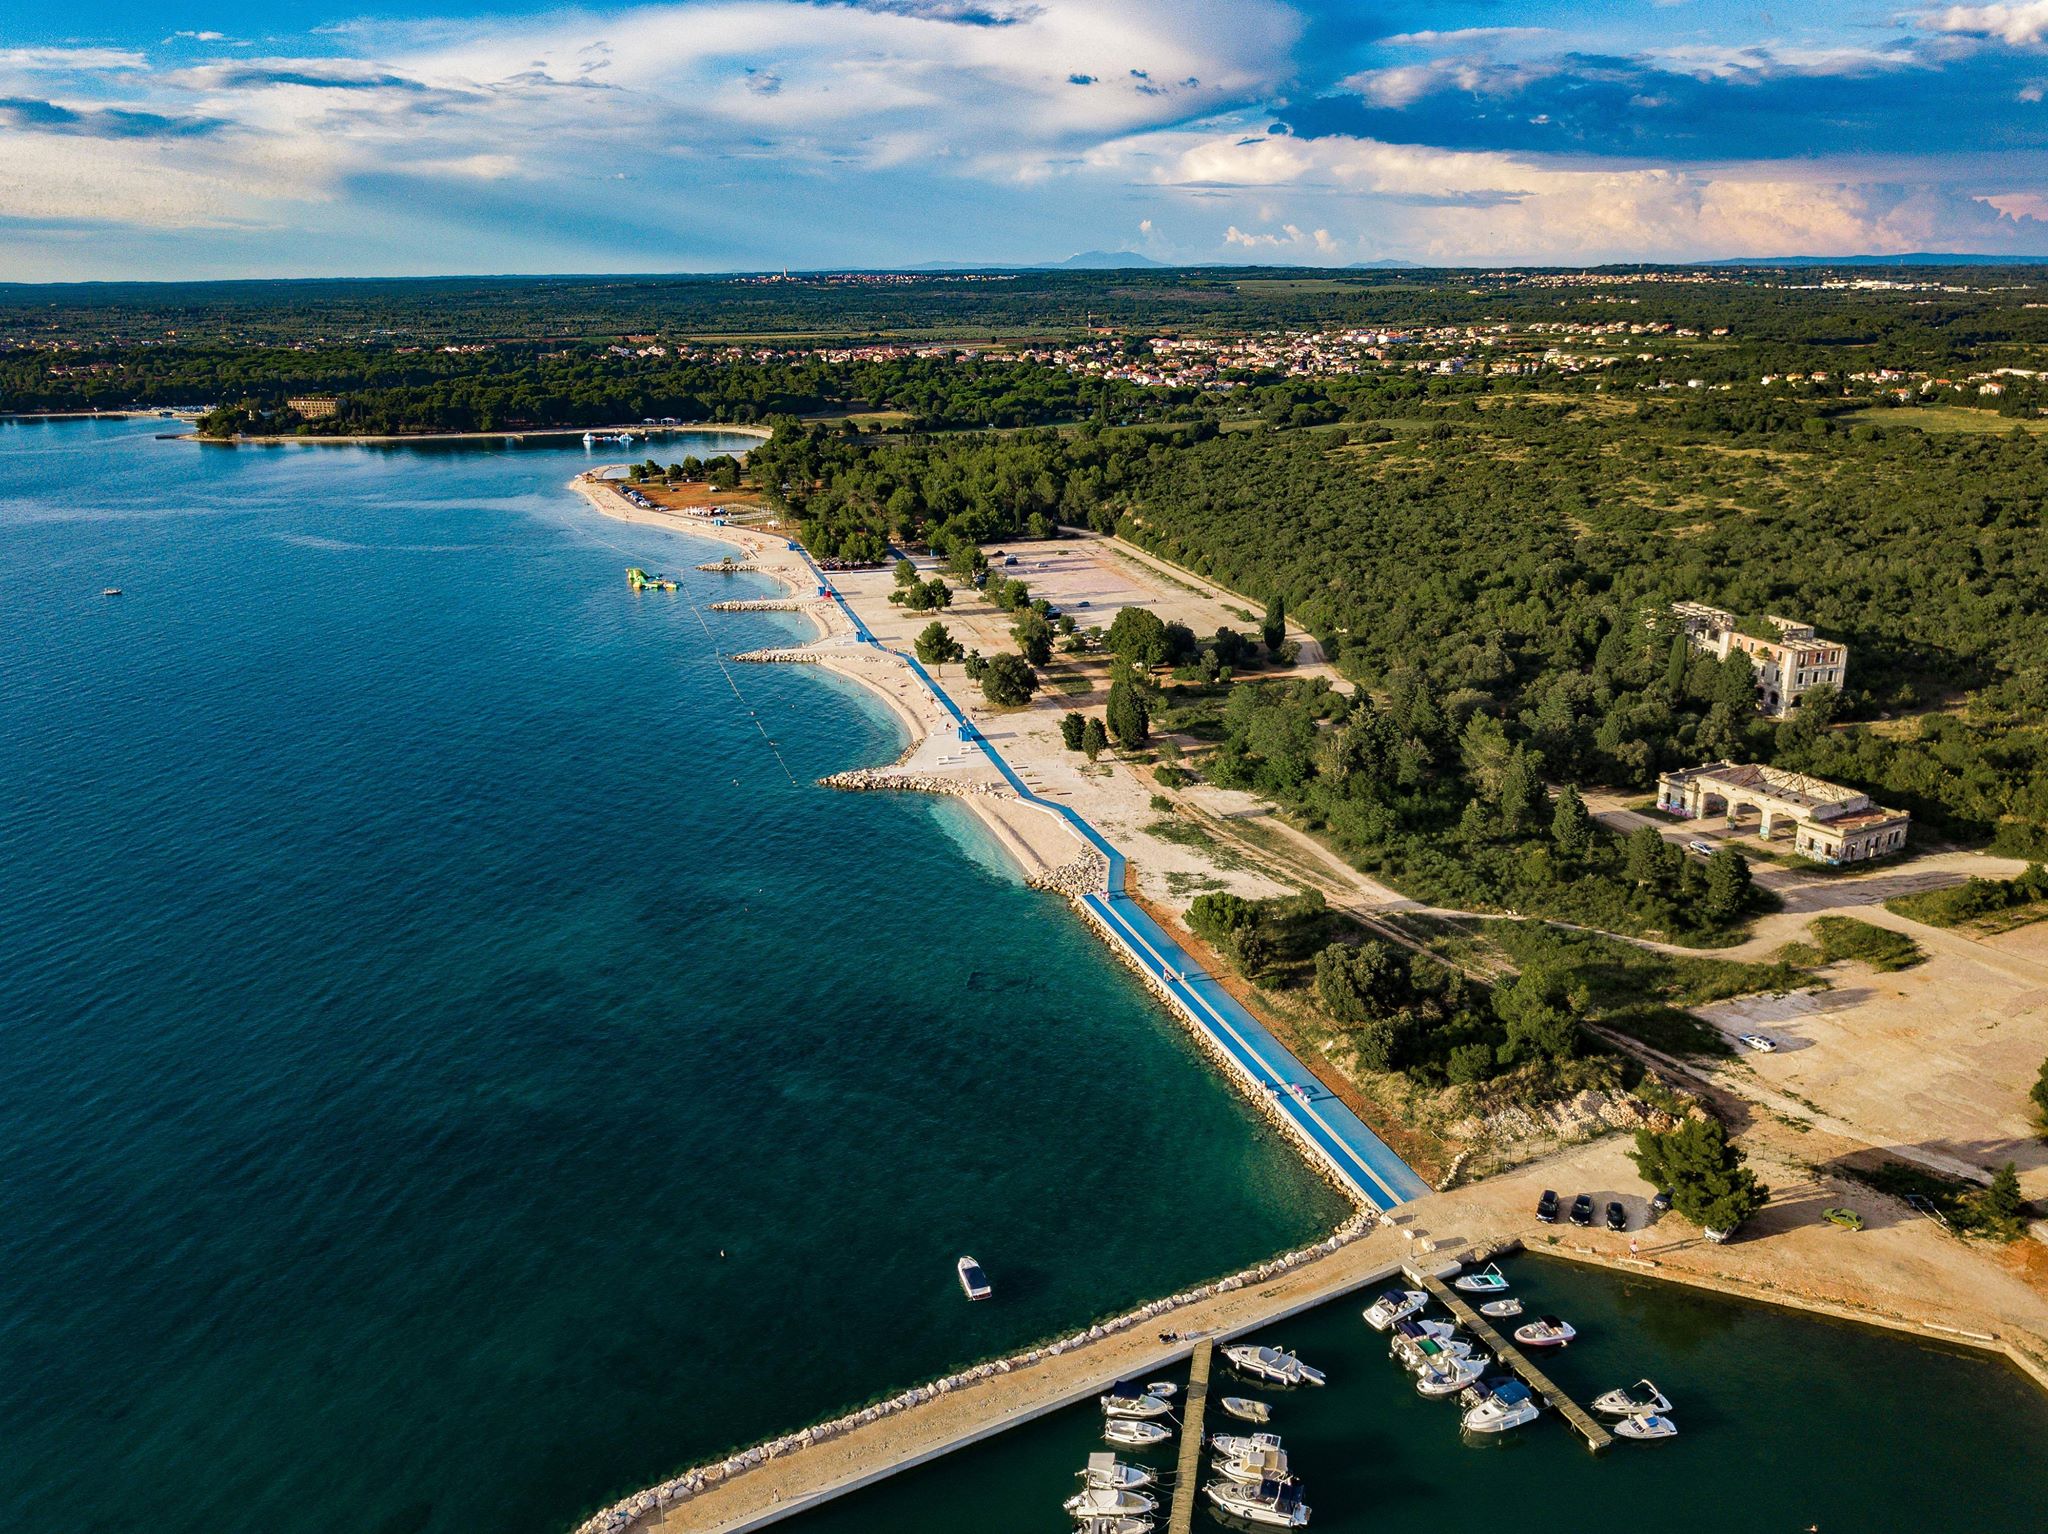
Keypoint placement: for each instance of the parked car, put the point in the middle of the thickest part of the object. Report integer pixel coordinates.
(1617, 1217)
(1546, 1207)
(1848, 1219)
(1661, 1204)
(1704, 849)
(1759, 1043)
(1582, 1209)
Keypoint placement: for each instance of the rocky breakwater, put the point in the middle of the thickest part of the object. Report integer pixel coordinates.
(729, 567)
(1087, 874)
(768, 605)
(622, 1516)
(890, 779)
(787, 657)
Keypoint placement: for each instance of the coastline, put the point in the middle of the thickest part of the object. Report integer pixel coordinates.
(638, 428)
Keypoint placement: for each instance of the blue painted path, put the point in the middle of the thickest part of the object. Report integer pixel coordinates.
(1365, 1162)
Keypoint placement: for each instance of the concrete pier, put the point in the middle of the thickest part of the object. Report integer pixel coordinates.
(1187, 1479)
(1588, 1427)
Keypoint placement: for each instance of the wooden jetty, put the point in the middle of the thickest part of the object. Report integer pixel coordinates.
(1186, 1481)
(1587, 1425)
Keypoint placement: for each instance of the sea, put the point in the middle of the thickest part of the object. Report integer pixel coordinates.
(456, 1066)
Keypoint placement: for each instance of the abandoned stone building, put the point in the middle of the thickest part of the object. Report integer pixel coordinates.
(1793, 662)
(1830, 824)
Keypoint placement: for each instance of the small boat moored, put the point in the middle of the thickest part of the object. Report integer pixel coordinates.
(1272, 1364)
(1498, 1408)
(1110, 1523)
(1246, 1410)
(1276, 1504)
(1106, 1470)
(1448, 1374)
(1106, 1501)
(1130, 1433)
(1166, 1390)
(1545, 1332)
(1646, 1428)
(1243, 1445)
(1127, 1399)
(1500, 1310)
(973, 1281)
(1394, 1305)
(1639, 1398)
(1254, 1469)
(1488, 1280)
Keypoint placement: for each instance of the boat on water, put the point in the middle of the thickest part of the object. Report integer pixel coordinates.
(1243, 1445)
(1276, 1504)
(1126, 1399)
(1130, 1433)
(1488, 1280)
(1106, 1470)
(1498, 1408)
(1246, 1410)
(1449, 1373)
(1545, 1332)
(1647, 1427)
(1429, 1353)
(1637, 1399)
(1109, 1523)
(1394, 1305)
(1501, 1310)
(973, 1282)
(1272, 1365)
(1166, 1390)
(111, 591)
(1253, 1469)
(1107, 1501)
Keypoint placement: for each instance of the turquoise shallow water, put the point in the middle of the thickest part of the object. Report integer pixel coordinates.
(1787, 1422)
(417, 970)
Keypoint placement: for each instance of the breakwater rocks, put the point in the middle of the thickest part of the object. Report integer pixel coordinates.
(767, 605)
(798, 657)
(878, 779)
(1088, 874)
(729, 567)
(622, 1516)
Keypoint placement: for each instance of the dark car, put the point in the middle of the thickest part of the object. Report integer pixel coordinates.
(1546, 1207)
(1661, 1204)
(1617, 1217)
(1582, 1209)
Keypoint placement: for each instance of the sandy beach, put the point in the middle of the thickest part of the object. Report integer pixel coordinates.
(639, 429)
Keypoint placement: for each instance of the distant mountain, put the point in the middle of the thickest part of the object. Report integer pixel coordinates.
(1097, 261)
(1912, 258)
(1384, 264)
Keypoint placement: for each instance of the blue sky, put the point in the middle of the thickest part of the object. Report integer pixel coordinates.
(230, 138)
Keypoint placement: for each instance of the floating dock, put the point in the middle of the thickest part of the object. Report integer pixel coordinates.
(1588, 1427)
(1186, 1481)
(640, 580)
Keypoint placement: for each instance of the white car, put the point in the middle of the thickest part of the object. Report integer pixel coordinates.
(1704, 849)
(1759, 1043)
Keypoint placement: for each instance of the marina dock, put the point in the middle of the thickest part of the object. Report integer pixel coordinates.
(1587, 1426)
(1187, 1478)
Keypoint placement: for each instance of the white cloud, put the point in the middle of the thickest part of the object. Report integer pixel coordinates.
(1289, 237)
(1464, 37)
(70, 60)
(2023, 25)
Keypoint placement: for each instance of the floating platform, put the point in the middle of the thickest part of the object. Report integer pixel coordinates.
(640, 580)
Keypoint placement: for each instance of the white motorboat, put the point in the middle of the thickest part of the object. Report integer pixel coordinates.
(1449, 1374)
(972, 1280)
(1243, 1445)
(1394, 1305)
(1272, 1365)
(1649, 1426)
(1109, 1523)
(1501, 1310)
(1130, 1433)
(1101, 1501)
(1128, 1400)
(1427, 1355)
(590, 439)
(1488, 1280)
(1166, 1390)
(1252, 1469)
(1246, 1410)
(1545, 1332)
(1106, 1470)
(1507, 1405)
(1276, 1504)
(1638, 1399)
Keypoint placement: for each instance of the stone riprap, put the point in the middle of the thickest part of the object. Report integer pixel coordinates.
(787, 657)
(1087, 874)
(882, 779)
(767, 605)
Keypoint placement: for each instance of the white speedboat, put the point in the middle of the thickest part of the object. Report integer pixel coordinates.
(1272, 1365)
(1449, 1374)
(972, 1280)
(1252, 1469)
(1107, 1471)
(1109, 1523)
(1128, 1400)
(1501, 1310)
(1107, 1501)
(1243, 1445)
(1394, 1305)
(1276, 1504)
(1488, 1280)
(1428, 1355)
(1545, 1332)
(1246, 1410)
(1650, 1425)
(1130, 1433)
(1639, 1398)
(1507, 1405)
(1166, 1390)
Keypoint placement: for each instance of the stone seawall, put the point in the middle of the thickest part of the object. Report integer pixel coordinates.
(787, 657)
(767, 605)
(883, 779)
(1087, 874)
(729, 567)
(622, 1516)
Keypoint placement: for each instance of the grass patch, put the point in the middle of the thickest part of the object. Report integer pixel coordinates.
(1071, 684)
(1985, 905)
(1844, 937)
(1184, 833)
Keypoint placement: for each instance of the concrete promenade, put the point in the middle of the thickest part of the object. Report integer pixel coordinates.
(1338, 1139)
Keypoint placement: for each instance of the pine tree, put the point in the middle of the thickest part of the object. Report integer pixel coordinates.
(1072, 728)
(1274, 630)
(1130, 725)
(1093, 738)
(1571, 828)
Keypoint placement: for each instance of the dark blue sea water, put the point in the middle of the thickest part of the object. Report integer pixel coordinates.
(416, 970)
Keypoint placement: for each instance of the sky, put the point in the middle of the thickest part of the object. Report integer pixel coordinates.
(232, 138)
